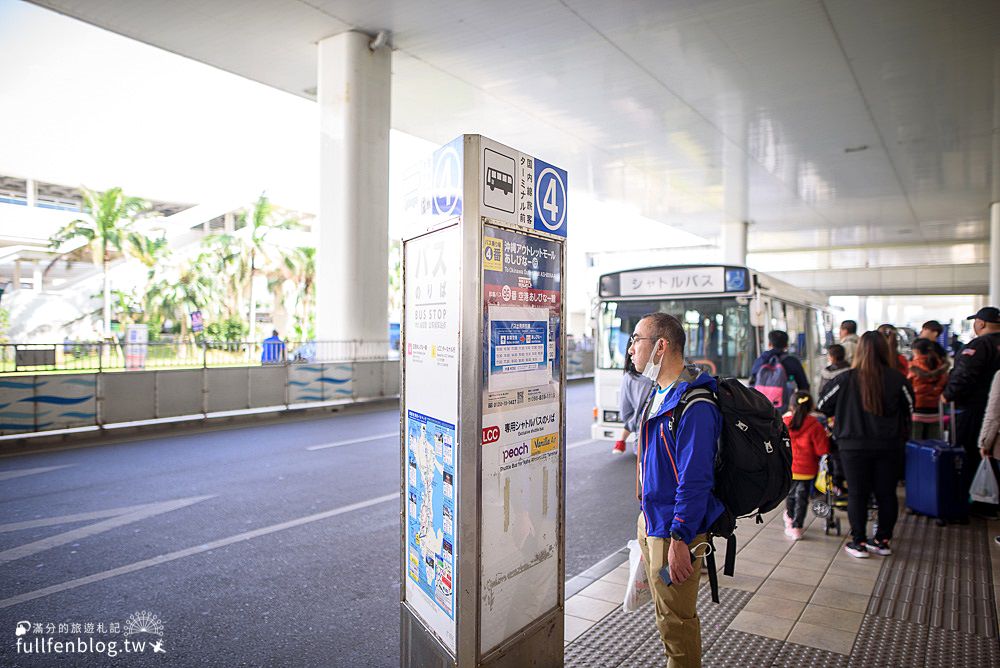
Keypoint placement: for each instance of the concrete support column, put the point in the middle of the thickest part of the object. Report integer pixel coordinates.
(862, 315)
(994, 253)
(994, 295)
(229, 223)
(736, 194)
(36, 276)
(15, 283)
(31, 192)
(734, 242)
(352, 280)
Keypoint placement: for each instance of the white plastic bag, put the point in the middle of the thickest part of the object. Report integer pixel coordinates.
(984, 485)
(637, 589)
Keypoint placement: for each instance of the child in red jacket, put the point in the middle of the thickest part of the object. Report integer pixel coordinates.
(809, 443)
(928, 375)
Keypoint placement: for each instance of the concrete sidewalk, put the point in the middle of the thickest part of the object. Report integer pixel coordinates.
(932, 603)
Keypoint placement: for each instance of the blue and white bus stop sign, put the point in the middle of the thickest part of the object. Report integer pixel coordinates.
(550, 198)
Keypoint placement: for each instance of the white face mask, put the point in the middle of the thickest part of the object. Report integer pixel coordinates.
(652, 371)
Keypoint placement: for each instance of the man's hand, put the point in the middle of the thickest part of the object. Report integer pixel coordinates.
(679, 561)
(986, 452)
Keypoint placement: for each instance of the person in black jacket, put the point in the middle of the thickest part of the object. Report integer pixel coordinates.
(793, 367)
(871, 405)
(969, 383)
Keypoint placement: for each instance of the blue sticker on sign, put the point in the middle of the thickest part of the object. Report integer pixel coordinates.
(736, 280)
(518, 345)
(550, 198)
(446, 183)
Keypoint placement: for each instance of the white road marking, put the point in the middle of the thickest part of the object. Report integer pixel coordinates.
(165, 558)
(22, 551)
(17, 473)
(70, 519)
(338, 444)
(580, 444)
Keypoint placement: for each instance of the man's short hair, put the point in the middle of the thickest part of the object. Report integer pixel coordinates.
(837, 352)
(850, 326)
(666, 326)
(934, 326)
(778, 339)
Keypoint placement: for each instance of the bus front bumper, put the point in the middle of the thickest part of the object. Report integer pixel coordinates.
(600, 431)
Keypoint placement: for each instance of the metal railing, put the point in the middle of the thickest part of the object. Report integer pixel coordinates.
(111, 356)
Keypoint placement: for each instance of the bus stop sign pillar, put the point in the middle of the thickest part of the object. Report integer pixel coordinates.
(482, 420)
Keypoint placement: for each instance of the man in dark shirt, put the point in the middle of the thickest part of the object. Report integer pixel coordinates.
(931, 330)
(969, 382)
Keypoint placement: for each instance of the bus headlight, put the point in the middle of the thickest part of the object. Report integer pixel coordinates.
(612, 416)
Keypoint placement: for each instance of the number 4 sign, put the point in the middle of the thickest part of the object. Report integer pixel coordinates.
(550, 198)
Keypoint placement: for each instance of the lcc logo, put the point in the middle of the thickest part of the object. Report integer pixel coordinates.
(491, 435)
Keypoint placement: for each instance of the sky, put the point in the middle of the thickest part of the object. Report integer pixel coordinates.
(85, 106)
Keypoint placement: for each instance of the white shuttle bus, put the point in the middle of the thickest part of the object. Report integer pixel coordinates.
(726, 312)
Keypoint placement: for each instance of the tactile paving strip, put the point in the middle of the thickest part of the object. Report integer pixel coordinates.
(961, 650)
(715, 619)
(796, 656)
(612, 639)
(938, 577)
(736, 649)
(892, 642)
(888, 642)
(631, 639)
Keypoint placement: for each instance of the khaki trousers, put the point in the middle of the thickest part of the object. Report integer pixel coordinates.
(676, 605)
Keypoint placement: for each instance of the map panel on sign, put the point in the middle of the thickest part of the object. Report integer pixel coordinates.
(430, 516)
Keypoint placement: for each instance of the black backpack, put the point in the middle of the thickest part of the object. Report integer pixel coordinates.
(753, 467)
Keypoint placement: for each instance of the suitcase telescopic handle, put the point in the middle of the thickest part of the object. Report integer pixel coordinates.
(951, 423)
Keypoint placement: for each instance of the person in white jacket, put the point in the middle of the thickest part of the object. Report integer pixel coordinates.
(989, 435)
(635, 389)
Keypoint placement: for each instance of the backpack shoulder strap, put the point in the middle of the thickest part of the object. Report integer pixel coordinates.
(690, 397)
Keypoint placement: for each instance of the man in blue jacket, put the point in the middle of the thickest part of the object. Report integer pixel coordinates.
(674, 480)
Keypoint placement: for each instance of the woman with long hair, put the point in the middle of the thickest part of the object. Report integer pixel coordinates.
(871, 405)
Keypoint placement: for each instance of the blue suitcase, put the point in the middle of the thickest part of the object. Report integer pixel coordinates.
(935, 484)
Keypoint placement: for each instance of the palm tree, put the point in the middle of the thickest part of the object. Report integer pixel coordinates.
(110, 215)
(260, 222)
(150, 251)
(297, 266)
(224, 259)
(174, 291)
(305, 277)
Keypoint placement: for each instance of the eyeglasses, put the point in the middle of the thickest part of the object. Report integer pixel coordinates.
(632, 339)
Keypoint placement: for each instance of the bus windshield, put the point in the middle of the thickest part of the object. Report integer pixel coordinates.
(719, 336)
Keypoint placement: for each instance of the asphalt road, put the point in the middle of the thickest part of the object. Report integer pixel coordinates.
(249, 548)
